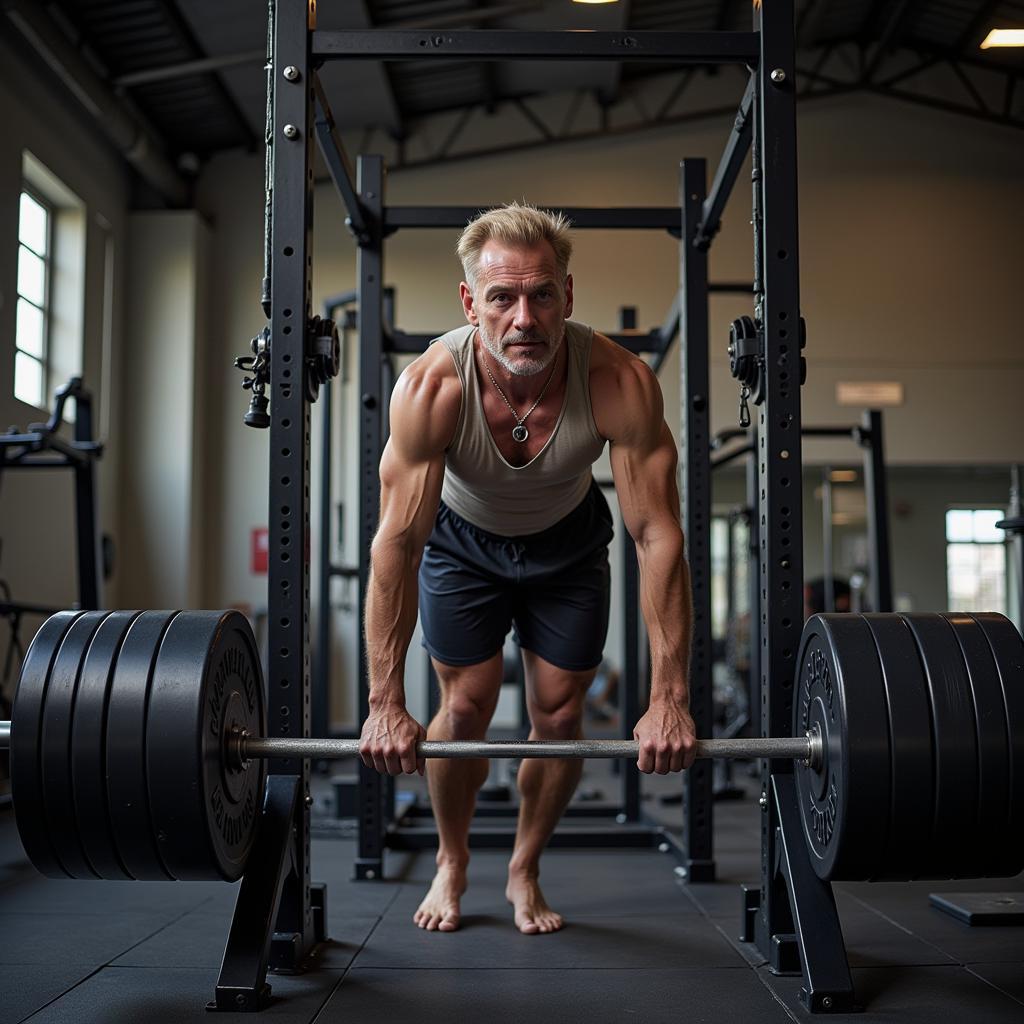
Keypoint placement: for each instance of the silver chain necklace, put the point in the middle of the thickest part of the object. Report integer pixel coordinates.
(519, 432)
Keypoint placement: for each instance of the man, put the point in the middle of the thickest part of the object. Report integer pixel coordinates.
(487, 494)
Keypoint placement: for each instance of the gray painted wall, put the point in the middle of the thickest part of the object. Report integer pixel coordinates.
(162, 497)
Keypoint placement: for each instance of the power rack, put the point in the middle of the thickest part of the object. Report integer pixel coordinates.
(791, 912)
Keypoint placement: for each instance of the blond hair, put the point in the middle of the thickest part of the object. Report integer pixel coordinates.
(519, 225)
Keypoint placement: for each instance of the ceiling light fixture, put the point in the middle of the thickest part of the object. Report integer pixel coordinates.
(1003, 37)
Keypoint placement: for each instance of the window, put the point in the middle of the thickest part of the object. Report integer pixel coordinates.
(975, 560)
(50, 318)
(35, 259)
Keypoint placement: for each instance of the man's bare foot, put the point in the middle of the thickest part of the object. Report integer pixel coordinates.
(532, 914)
(439, 911)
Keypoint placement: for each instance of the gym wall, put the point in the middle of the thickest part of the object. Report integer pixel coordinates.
(37, 508)
(167, 408)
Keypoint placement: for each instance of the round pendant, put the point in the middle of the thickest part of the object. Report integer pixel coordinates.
(520, 433)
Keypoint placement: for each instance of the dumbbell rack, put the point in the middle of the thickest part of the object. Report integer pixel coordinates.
(278, 909)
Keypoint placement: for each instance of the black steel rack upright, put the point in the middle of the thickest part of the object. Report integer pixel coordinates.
(793, 910)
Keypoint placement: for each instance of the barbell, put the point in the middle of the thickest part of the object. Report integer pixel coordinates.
(242, 747)
(138, 745)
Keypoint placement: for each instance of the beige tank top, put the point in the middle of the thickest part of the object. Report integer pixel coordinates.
(483, 488)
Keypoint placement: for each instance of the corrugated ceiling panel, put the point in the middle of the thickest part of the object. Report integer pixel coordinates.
(191, 113)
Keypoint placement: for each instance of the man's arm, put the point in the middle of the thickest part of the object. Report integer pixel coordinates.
(644, 460)
(424, 410)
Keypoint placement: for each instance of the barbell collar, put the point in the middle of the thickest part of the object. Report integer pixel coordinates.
(5, 735)
(804, 748)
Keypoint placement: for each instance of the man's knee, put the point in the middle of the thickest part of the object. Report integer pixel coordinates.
(561, 721)
(466, 714)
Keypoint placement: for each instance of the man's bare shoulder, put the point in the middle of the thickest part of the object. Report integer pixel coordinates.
(426, 402)
(610, 360)
(624, 390)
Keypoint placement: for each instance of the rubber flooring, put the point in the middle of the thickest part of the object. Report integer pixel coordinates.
(640, 944)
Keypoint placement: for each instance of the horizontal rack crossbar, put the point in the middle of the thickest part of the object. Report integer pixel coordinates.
(499, 45)
(632, 218)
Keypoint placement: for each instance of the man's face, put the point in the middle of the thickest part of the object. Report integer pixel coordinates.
(520, 305)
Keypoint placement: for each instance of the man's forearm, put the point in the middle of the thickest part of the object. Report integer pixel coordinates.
(668, 614)
(391, 607)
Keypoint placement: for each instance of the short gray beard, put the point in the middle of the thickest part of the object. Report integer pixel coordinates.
(523, 366)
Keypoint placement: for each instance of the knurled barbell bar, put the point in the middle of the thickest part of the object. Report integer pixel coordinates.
(138, 745)
(242, 747)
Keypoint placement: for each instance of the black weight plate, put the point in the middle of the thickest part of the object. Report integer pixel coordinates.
(912, 793)
(1008, 650)
(127, 793)
(55, 745)
(207, 680)
(26, 730)
(956, 745)
(993, 745)
(844, 806)
(89, 747)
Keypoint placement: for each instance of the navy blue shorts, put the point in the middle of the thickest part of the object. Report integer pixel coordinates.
(552, 587)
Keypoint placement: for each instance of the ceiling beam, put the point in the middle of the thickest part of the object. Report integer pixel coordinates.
(808, 20)
(188, 67)
(1005, 62)
(184, 30)
(969, 86)
(971, 35)
(142, 148)
(872, 18)
(950, 107)
(897, 19)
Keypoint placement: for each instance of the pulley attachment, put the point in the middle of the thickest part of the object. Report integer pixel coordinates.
(258, 364)
(322, 362)
(747, 361)
(323, 355)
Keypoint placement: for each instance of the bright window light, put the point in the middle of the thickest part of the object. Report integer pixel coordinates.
(1003, 37)
(974, 525)
(34, 264)
(975, 560)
